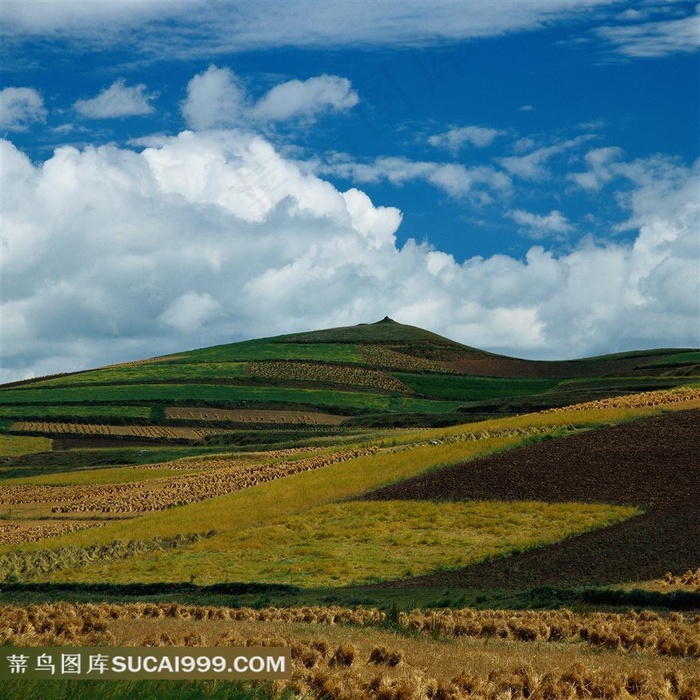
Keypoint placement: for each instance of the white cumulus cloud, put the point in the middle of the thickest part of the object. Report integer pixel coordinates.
(306, 98)
(109, 254)
(214, 98)
(118, 100)
(189, 312)
(19, 107)
(217, 98)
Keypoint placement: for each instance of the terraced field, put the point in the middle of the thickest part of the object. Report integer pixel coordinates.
(371, 375)
(379, 464)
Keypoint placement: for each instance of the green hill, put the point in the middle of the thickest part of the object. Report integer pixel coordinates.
(325, 382)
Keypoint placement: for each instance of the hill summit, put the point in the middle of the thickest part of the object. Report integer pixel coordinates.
(385, 331)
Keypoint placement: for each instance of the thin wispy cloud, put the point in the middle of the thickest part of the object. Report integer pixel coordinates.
(458, 137)
(535, 164)
(215, 26)
(541, 225)
(454, 179)
(654, 39)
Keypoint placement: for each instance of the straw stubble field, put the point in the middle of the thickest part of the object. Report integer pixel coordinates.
(358, 654)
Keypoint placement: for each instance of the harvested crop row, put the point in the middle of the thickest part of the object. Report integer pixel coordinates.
(391, 359)
(689, 578)
(644, 399)
(29, 493)
(488, 435)
(194, 464)
(144, 431)
(339, 675)
(327, 373)
(645, 631)
(14, 565)
(507, 432)
(18, 623)
(15, 533)
(251, 416)
(197, 463)
(638, 631)
(160, 494)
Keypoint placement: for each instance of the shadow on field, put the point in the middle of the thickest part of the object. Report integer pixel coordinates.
(653, 463)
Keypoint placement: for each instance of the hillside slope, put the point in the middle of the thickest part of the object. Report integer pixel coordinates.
(339, 379)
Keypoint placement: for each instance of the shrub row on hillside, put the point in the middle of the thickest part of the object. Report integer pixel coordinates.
(382, 356)
(325, 373)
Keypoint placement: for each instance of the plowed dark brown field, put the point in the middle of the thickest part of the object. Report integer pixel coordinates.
(653, 463)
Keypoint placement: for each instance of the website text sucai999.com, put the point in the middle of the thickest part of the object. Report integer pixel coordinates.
(264, 663)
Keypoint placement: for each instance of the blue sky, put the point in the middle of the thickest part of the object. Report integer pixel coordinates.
(518, 176)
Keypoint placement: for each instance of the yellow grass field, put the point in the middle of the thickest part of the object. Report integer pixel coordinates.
(17, 445)
(361, 542)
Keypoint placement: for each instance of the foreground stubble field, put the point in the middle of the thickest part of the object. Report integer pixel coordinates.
(345, 654)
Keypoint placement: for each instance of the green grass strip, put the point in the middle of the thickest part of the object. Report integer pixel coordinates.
(269, 350)
(150, 372)
(203, 393)
(41, 412)
(465, 388)
(137, 690)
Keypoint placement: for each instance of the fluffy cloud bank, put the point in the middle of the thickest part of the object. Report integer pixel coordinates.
(110, 254)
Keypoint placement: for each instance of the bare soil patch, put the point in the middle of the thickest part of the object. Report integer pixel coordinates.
(653, 463)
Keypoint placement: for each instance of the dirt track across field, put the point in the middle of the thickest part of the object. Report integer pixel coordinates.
(653, 463)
